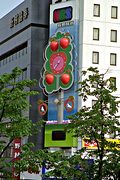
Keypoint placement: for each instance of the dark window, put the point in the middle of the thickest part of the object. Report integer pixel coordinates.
(95, 33)
(114, 12)
(58, 1)
(13, 51)
(93, 102)
(95, 57)
(96, 10)
(113, 81)
(113, 35)
(58, 135)
(8, 152)
(113, 59)
(24, 74)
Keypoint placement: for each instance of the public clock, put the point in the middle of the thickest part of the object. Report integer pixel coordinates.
(58, 62)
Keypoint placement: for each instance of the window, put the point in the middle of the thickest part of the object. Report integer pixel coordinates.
(113, 35)
(95, 33)
(95, 57)
(24, 74)
(58, 1)
(113, 81)
(10, 58)
(26, 50)
(96, 10)
(113, 58)
(14, 52)
(58, 135)
(8, 152)
(114, 12)
(93, 102)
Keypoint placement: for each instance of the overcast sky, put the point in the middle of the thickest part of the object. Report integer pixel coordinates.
(7, 5)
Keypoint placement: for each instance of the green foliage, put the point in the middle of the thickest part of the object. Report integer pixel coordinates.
(94, 123)
(89, 122)
(14, 121)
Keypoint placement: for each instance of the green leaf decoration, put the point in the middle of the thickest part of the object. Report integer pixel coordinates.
(58, 63)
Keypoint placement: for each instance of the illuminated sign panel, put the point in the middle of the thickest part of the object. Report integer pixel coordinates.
(92, 144)
(16, 156)
(58, 135)
(55, 136)
(61, 67)
(62, 14)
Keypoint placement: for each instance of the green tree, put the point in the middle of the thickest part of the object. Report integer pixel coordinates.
(94, 123)
(14, 122)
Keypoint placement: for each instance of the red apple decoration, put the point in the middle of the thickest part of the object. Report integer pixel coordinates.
(65, 78)
(64, 42)
(54, 45)
(49, 78)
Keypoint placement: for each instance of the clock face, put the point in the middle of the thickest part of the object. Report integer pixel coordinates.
(58, 62)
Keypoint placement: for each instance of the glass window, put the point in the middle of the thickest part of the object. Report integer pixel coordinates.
(16, 55)
(22, 51)
(19, 53)
(114, 12)
(8, 152)
(93, 102)
(113, 59)
(26, 50)
(10, 58)
(24, 74)
(96, 10)
(58, 135)
(13, 57)
(113, 35)
(95, 33)
(4, 61)
(113, 81)
(95, 57)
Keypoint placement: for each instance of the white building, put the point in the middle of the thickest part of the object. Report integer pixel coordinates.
(99, 37)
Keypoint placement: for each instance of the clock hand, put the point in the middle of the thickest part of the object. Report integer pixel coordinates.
(57, 64)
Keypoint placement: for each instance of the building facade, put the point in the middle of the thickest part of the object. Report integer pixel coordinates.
(99, 37)
(94, 28)
(23, 37)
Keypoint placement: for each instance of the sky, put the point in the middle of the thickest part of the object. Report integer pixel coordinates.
(7, 5)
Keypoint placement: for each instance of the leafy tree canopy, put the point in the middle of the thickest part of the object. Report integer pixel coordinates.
(95, 123)
(14, 120)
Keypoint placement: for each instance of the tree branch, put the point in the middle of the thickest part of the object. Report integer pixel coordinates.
(6, 147)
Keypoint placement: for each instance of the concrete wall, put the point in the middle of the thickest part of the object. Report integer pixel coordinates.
(35, 31)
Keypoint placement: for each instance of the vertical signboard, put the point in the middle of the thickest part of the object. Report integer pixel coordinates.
(16, 154)
(64, 22)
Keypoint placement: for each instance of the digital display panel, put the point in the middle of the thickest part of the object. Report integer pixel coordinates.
(62, 14)
(58, 135)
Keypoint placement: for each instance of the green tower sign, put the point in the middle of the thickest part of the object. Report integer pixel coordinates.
(58, 68)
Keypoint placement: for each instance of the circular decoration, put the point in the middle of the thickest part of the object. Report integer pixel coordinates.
(49, 78)
(54, 45)
(64, 42)
(69, 104)
(65, 78)
(42, 109)
(58, 62)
